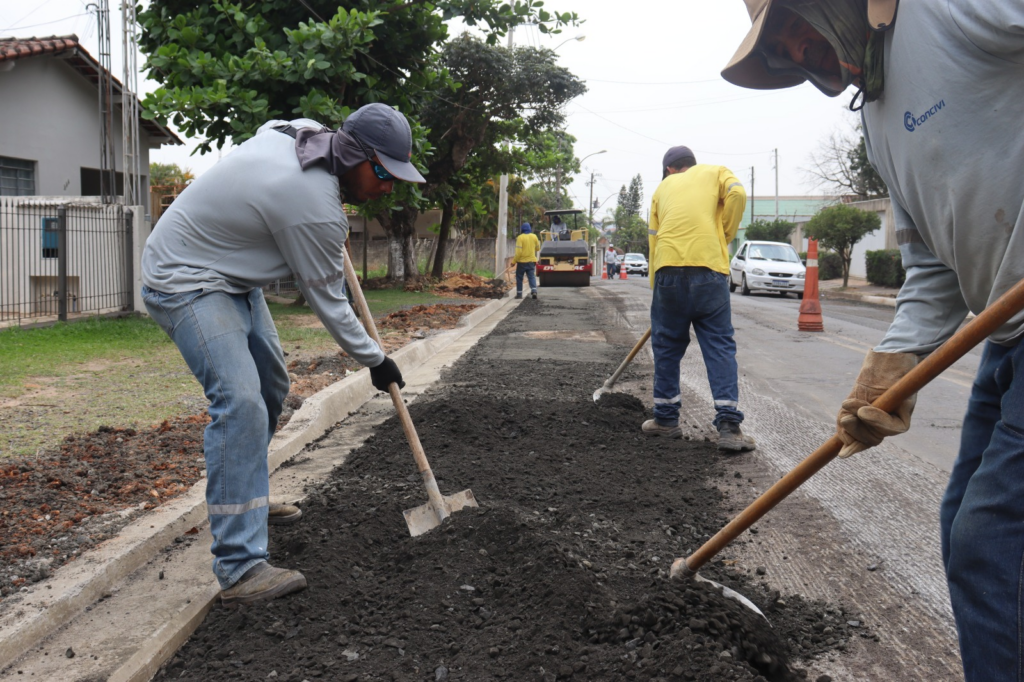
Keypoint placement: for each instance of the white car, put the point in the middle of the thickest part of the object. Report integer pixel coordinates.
(635, 264)
(771, 267)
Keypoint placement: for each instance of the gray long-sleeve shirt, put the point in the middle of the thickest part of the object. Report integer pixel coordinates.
(946, 138)
(253, 218)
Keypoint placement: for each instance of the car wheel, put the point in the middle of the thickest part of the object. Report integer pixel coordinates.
(744, 289)
(782, 294)
(800, 295)
(732, 284)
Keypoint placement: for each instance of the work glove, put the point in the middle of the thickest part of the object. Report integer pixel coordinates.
(862, 426)
(385, 374)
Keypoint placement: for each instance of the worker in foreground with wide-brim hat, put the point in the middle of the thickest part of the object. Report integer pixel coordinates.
(272, 209)
(938, 83)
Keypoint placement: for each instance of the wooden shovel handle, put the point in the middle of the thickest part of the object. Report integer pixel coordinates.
(973, 333)
(629, 358)
(396, 394)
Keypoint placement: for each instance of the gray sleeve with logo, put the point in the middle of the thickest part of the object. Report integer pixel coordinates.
(930, 306)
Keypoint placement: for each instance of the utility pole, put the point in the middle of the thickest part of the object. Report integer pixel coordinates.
(751, 194)
(499, 242)
(776, 183)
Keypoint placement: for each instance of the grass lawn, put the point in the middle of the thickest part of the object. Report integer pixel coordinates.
(124, 372)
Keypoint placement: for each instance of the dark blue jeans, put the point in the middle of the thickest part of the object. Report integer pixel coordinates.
(697, 297)
(982, 520)
(530, 270)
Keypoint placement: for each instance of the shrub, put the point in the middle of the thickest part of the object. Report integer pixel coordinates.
(830, 265)
(769, 231)
(885, 268)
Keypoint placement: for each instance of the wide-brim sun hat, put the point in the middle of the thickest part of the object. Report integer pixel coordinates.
(748, 70)
(386, 131)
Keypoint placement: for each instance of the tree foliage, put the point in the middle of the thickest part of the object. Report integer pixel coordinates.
(163, 174)
(225, 68)
(841, 166)
(838, 228)
(778, 230)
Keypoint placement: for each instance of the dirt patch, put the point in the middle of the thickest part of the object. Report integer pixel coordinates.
(60, 503)
(560, 574)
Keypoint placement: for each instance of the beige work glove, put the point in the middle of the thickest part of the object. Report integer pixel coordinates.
(862, 426)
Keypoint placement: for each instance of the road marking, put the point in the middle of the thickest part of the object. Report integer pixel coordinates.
(862, 347)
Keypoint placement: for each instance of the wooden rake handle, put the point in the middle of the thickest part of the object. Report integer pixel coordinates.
(973, 333)
(433, 493)
(629, 358)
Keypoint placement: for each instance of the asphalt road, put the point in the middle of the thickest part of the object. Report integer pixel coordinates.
(864, 530)
(813, 372)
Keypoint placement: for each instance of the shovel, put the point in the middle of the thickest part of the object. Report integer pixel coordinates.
(438, 507)
(973, 333)
(607, 386)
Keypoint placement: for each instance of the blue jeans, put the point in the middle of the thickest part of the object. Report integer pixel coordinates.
(530, 270)
(699, 297)
(982, 519)
(230, 343)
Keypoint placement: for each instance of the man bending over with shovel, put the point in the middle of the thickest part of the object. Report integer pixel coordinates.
(695, 213)
(939, 83)
(270, 208)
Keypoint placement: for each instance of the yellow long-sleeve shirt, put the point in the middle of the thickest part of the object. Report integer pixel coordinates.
(694, 217)
(527, 248)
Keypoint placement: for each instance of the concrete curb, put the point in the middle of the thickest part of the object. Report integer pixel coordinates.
(50, 604)
(864, 298)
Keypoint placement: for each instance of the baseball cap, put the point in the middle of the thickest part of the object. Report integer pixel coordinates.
(675, 155)
(747, 68)
(387, 132)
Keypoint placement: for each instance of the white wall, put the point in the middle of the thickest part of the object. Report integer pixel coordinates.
(49, 114)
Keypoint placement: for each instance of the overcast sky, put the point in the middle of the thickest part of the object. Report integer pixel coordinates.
(652, 67)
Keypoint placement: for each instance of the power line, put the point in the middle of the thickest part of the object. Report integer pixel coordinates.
(619, 124)
(45, 23)
(711, 80)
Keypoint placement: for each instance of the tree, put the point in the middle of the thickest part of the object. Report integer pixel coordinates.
(841, 166)
(838, 228)
(631, 233)
(501, 94)
(635, 195)
(777, 230)
(162, 174)
(225, 68)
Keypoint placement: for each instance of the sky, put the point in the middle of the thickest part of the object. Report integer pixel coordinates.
(653, 72)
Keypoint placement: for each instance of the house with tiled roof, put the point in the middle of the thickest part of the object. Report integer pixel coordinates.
(50, 134)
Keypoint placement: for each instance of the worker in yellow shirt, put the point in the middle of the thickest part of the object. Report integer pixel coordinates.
(527, 248)
(695, 213)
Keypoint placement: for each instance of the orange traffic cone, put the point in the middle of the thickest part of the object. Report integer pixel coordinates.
(810, 308)
(622, 271)
(604, 272)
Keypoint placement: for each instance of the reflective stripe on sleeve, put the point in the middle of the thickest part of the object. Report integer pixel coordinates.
(735, 184)
(652, 232)
(235, 509)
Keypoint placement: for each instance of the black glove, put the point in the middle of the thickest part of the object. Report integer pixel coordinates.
(385, 374)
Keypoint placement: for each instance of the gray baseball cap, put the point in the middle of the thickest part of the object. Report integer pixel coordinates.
(387, 133)
(675, 155)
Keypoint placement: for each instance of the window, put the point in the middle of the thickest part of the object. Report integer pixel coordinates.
(50, 242)
(17, 177)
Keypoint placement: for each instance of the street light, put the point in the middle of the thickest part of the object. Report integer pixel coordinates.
(580, 38)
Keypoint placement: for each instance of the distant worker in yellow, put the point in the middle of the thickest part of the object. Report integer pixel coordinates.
(527, 248)
(695, 213)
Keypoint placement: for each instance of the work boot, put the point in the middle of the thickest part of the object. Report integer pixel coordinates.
(262, 582)
(653, 428)
(283, 514)
(533, 294)
(732, 439)
(519, 294)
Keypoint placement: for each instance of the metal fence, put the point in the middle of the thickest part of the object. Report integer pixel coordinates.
(63, 259)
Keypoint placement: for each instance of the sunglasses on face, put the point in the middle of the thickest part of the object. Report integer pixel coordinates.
(380, 171)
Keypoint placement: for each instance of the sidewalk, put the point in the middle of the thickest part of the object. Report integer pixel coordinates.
(858, 290)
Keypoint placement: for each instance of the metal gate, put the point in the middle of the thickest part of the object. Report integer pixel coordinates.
(62, 259)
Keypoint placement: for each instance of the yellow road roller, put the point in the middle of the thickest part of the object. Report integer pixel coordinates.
(564, 252)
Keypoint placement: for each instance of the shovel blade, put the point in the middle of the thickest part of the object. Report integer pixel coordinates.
(426, 517)
(732, 594)
(599, 392)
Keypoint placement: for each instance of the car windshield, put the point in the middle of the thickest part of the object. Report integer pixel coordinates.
(635, 256)
(776, 252)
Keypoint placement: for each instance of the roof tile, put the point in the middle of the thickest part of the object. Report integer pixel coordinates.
(16, 48)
